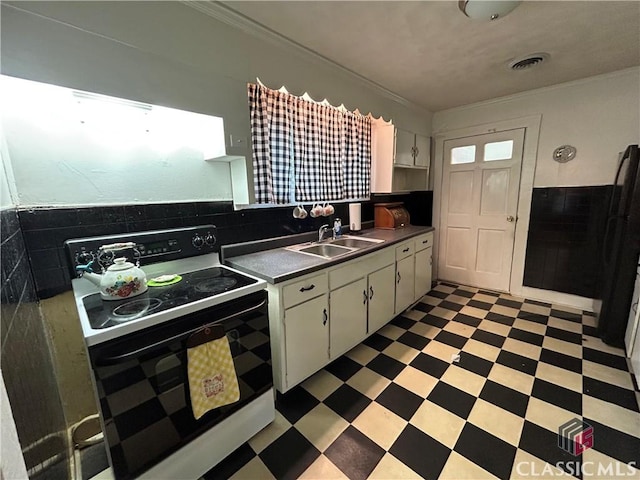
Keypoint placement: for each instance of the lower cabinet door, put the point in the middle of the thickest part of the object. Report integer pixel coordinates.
(306, 338)
(348, 324)
(423, 273)
(381, 297)
(405, 292)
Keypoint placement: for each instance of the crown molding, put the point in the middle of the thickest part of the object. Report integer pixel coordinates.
(226, 14)
(538, 91)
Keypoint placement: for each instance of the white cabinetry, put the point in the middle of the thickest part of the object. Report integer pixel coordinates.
(412, 150)
(423, 264)
(307, 338)
(404, 152)
(348, 317)
(405, 271)
(400, 159)
(422, 151)
(316, 318)
(305, 307)
(364, 305)
(381, 297)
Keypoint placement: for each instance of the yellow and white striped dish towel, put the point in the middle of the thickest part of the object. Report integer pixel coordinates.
(212, 376)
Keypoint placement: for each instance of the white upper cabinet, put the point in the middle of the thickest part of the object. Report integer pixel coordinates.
(400, 159)
(405, 143)
(412, 150)
(422, 151)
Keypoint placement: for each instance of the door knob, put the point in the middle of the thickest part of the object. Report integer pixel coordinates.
(511, 218)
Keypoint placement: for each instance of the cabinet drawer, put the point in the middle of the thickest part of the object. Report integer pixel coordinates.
(404, 250)
(423, 241)
(361, 268)
(303, 290)
(347, 273)
(381, 259)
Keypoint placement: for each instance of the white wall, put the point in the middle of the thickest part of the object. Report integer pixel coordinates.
(166, 53)
(6, 175)
(95, 151)
(599, 116)
(5, 196)
(11, 459)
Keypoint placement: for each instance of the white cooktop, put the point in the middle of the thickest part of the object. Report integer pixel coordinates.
(83, 287)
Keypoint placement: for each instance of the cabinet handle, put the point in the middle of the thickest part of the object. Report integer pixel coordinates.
(306, 289)
(405, 250)
(399, 277)
(416, 152)
(425, 241)
(370, 293)
(326, 317)
(364, 294)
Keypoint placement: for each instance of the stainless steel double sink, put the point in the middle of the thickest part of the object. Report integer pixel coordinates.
(336, 247)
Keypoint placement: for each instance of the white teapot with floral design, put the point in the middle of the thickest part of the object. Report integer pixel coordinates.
(121, 280)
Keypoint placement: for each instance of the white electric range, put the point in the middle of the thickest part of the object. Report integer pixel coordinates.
(137, 351)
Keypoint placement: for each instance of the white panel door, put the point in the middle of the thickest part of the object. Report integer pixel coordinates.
(480, 183)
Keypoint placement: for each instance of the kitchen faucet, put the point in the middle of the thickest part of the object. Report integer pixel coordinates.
(323, 229)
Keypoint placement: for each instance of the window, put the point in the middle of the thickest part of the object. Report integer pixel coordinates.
(305, 151)
(498, 151)
(466, 154)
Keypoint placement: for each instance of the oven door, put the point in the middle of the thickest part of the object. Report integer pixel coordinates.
(142, 386)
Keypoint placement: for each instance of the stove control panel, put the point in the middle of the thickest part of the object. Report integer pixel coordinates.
(207, 240)
(149, 247)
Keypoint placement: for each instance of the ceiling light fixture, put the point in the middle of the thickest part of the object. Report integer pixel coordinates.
(487, 9)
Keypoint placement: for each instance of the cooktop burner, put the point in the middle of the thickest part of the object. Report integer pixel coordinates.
(193, 286)
(215, 285)
(135, 308)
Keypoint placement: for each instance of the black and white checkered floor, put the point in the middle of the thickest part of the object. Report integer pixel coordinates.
(397, 406)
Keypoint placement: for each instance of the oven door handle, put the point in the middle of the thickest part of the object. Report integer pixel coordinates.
(112, 360)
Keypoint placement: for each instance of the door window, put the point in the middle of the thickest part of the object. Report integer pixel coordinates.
(465, 154)
(498, 151)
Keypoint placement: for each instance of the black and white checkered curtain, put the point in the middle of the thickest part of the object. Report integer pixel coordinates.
(317, 149)
(271, 144)
(324, 152)
(357, 155)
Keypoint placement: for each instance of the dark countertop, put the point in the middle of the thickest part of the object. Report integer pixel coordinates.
(269, 260)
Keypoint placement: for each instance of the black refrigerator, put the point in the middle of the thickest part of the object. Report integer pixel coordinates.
(621, 247)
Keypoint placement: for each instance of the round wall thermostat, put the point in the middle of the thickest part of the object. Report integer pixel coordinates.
(564, 153)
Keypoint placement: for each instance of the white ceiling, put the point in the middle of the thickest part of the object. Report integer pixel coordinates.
(433, 55)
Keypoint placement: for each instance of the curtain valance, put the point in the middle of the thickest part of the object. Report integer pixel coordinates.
(305, 151)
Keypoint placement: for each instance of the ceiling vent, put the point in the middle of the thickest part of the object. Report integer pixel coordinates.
(529, 61)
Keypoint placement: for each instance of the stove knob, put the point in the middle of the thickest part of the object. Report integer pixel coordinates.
(209, 239)
(84, 258)
(197, 241)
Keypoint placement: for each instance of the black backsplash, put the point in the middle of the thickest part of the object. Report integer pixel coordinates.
(46, 229)
(29, 375)
(564, 245)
